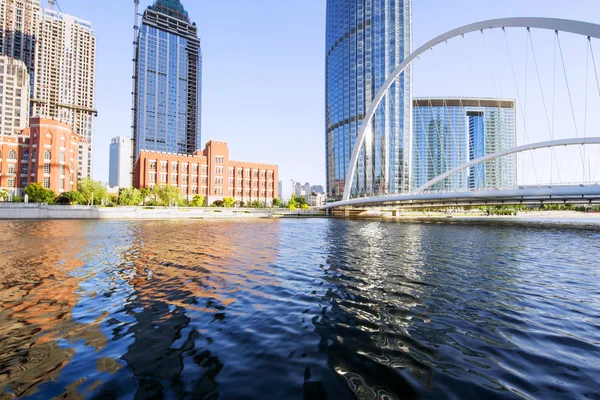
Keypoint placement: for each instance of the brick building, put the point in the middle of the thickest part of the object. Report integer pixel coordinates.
(48, 153)
(208, 172)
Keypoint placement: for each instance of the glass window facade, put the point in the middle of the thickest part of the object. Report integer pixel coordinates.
(365, 42)
(448, 133)
(168, 81)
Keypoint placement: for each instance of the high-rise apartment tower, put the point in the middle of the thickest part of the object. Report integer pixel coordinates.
(365, 41)
(14, 96)
(59, 51)
(168, 74)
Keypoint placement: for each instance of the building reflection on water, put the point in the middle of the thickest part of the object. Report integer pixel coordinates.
(183, 277)
(37, 294)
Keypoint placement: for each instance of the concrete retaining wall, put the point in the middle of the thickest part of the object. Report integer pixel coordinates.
(45, 211)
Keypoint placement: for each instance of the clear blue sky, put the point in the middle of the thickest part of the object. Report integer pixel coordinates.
(263, 78)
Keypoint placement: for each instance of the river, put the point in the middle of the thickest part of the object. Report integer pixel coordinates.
(293, 309)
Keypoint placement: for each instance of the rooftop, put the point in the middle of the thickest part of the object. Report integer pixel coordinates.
(173, 8)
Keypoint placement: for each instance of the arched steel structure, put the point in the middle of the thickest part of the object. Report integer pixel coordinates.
(555, 24)
(514, 150)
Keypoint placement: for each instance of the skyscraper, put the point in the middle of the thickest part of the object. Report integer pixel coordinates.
(365, 42)
(65, 75)
(168, 71)
(119, 174)
(449, 132)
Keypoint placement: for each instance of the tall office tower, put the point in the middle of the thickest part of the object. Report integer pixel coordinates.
(119, 174)
(449, 132)
(168, 72)
(14, 96)
(365, 42)
(19, 29)
(65, 73)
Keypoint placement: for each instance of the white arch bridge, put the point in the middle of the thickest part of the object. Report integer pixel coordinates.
(427, 196)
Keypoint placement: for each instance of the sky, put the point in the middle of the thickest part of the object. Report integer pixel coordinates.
(264, 70)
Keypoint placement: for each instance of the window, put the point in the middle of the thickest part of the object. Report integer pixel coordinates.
(194, 179)
(231, 191)
(204, 169)
(218, 190)
(219, 170)
(174, 178)
(24, 169)
(204, 180)
(163, 177)
(62, 170)
(184, 168)
(174, 166)
(62, 156)
(184, 179)
(247, 173)
(34, 159)
(240, 172)
(230, 171)
(11, 182)
(47, 182)
(153, 166)
(47, 155)
(12, 155)
(163, 166)
(24, 181)
(219, 159)
(231, 181)
(194, 168)
(194, 189)
(46, 168)
(26, 156)
(62, 184)
(153, 177)
(218, 180)
(12, 169)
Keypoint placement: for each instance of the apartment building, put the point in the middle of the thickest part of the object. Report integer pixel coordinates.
(14, 96)
(119, 169)
(48, 152)
(19, 27)
(65, 76)
(208, 172)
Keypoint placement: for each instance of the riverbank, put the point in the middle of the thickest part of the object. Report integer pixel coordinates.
(547, 214)
(32, 211)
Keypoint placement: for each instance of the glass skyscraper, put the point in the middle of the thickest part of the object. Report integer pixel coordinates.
(365, 41)
(167, 97)
(449, 132)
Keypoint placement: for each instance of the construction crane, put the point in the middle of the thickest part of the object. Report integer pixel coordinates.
(53, 3)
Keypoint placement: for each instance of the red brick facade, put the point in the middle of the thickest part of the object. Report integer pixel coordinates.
(210, 173)
(48, 153)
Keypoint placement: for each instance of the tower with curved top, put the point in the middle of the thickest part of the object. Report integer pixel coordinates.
(167, 94)
(365, 41)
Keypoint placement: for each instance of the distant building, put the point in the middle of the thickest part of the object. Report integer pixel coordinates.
(318, 189)
(298, 189)
(316, 199)
(208, 172)
(120, 162)
(280, 189)
(168, 79)
(48, 153)
(449, 132)
(14, 96)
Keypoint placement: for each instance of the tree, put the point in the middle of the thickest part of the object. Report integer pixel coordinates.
(130, 197)
(92, 190)
(197, 201)
(3, 195)
(72, 198)
(217, 203)
(292, 203)
(167, 194)
(39, 194)
(300, 201)
(276, 202)
(305, 206)
(145, 192)
(228, 202)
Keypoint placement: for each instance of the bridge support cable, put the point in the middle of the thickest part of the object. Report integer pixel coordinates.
(550, 127)
(519, 103)
(570, 101)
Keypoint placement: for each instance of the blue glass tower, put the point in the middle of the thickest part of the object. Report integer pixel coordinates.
(365, 42)
(167, 96)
